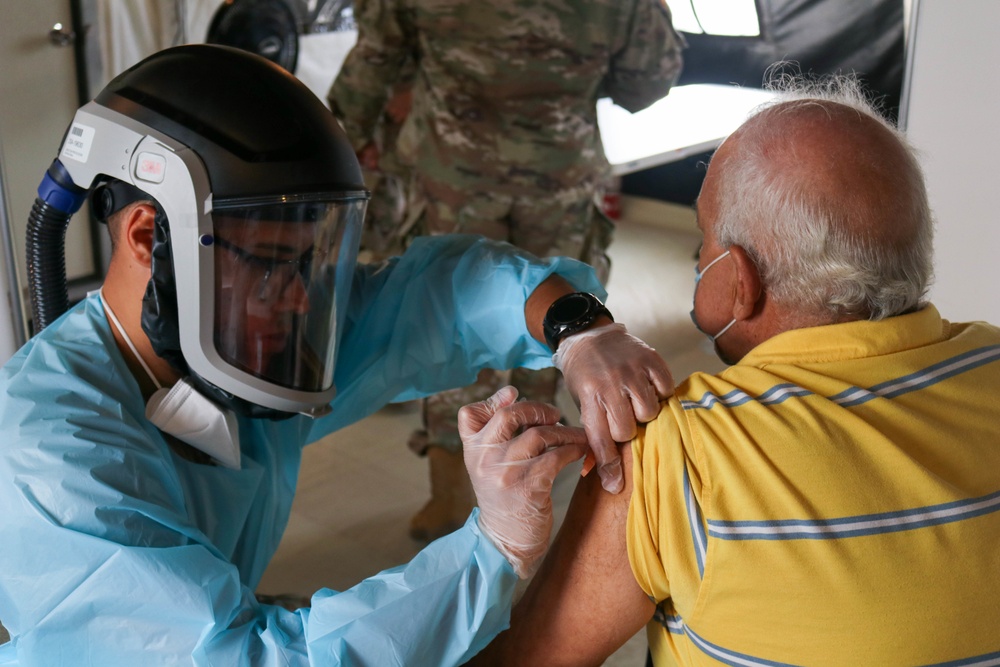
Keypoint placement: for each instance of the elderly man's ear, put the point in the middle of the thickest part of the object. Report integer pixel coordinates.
(137, 233)
(749, 286)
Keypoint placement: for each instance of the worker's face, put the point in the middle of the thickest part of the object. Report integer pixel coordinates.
(260, 288)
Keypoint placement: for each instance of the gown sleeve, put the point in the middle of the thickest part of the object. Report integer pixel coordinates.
(431, 319)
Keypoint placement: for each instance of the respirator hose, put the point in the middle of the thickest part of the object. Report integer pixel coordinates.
(58, 199)
(46, 246)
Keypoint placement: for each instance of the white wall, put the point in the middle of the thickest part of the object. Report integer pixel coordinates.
(951, 100)
(37, 100)
(12, 330)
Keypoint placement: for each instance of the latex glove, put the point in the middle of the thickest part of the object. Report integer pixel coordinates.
(618, 381)
(513, 452)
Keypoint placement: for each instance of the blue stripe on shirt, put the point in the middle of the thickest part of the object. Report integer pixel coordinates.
(988, 660)
(675, 625)
(694, 520)
(856, 526)
(856, 395)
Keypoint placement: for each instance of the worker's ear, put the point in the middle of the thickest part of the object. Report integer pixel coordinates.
(749, 285)
(137, 233)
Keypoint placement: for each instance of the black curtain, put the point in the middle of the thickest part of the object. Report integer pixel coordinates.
(864, 37)
(822, 36)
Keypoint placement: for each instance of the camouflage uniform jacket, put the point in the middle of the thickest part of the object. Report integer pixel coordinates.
(506, 90)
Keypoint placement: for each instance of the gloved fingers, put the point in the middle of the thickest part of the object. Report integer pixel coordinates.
(619, 411)
(603, 446)
(647, 388)
(546, 467)
(536, 475)
(474, 417)
(645, 404)
(660, 377)
(536, 441)
(504, 465)
(612, 477)
(647, 407)
(510, 420)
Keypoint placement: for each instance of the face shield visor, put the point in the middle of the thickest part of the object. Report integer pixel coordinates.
(282, 278)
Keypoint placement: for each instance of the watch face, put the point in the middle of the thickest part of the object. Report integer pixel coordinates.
(571, 314)
(570, 309)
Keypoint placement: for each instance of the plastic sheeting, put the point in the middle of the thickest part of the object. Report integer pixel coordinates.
(130, 30)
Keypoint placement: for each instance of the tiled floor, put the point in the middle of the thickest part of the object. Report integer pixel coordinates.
(359, 488)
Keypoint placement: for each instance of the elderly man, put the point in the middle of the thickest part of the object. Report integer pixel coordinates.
(834, 496)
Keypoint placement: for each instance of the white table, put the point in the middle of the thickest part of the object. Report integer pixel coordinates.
(690, 120)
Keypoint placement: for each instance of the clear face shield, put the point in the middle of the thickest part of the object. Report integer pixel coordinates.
(282, 277)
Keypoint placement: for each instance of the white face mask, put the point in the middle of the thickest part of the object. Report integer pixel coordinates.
(181, 411)
(697, 279)
(190, 417)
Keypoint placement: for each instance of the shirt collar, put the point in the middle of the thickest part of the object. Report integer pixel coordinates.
(851, 340)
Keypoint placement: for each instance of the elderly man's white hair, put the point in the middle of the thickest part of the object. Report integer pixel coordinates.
(845, 236)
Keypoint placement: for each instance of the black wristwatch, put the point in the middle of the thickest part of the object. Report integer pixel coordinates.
(571, 314)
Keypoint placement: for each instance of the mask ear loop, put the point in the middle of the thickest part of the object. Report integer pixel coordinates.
(224, 450)
(128, 341)
(724, 330)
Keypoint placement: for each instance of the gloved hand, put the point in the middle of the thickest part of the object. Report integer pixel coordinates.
(617, 380)
(513, 452)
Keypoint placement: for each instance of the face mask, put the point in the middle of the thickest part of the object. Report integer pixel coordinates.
(181, 411)
(190, 417)
(697, 279)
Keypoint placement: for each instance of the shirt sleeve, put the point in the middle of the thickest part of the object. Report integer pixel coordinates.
(362, 86)
(666, 531)
(433, 318)
(648, 61)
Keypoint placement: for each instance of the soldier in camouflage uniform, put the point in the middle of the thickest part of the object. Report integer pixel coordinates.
(387, 228)
(503, 141)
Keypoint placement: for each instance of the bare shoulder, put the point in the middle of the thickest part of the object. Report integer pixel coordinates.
(586, 581)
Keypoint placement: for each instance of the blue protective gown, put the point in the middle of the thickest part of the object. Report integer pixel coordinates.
(117, 551)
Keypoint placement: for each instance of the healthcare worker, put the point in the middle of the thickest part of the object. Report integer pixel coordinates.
(152, 434)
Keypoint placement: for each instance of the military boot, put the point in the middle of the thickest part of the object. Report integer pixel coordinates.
(451, 500)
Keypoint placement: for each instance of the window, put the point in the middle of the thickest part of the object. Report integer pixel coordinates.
(735, 18)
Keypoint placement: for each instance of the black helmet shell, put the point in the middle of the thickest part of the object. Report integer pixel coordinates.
(258, 130)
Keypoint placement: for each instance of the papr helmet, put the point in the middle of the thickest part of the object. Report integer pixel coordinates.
(260, 200)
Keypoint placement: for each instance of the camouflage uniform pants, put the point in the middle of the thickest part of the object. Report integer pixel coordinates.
(565, 223)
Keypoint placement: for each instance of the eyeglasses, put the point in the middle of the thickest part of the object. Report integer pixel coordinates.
(283, 270)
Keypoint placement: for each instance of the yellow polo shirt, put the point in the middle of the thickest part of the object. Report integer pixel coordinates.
(833, 499)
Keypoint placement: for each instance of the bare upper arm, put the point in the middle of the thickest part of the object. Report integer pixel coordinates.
(584, 602)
